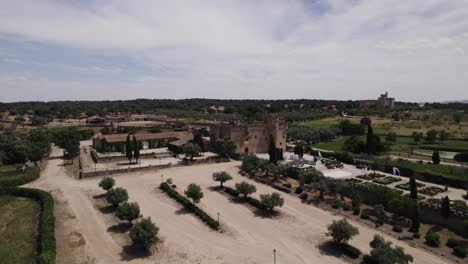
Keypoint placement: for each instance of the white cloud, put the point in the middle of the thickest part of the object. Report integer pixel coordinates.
(274, 49)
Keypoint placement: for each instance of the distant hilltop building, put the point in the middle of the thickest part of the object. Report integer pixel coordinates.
(252, 138)
(383, 102)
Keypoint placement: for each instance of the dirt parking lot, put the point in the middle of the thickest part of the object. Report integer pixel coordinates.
(248, 237)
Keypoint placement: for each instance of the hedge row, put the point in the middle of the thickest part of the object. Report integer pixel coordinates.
(252, 201)
(281, 188)
(16, 179)
(344, 157)
(46, 238)
(189, 205)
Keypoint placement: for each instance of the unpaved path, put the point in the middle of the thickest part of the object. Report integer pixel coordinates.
(249, 237)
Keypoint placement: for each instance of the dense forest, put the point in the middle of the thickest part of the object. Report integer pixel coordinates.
(300, 109)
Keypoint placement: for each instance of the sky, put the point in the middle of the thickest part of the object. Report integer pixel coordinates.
(274, 49)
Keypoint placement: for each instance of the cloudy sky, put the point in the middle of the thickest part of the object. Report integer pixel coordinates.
(416, 50)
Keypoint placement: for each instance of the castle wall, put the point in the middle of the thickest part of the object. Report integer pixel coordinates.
(252, 138)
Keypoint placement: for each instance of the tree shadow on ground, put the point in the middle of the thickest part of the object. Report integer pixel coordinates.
(107, 209)
(131, 252)
(182, 211)
(237, 200)
(99, 196)
(329, 249)
(119, 228)
(215, 188)
(265, 213)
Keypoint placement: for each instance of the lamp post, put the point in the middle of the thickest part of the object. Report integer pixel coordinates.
(274, 256)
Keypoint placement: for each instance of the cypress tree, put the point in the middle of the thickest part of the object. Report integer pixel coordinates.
(445, 209)
(415, 218)
(436, 157)
(370, 141)
(272, 151)
(413, 189)
(136, 149)
(128, 149)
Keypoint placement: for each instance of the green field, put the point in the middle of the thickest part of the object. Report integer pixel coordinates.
(18, 229)
(327, 122)
(402, 144)
(335, 145)
(17, 178)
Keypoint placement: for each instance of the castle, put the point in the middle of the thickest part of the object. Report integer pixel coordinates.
(252, 138)
(383, 102)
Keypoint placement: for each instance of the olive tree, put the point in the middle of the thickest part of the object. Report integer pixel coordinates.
(194, 192)
(116, 196)
(128, 212)
(383, 253)
(270, 201)
(144, 233)
(341, 231)
(245, 188)
(107, 183)
(221, 177)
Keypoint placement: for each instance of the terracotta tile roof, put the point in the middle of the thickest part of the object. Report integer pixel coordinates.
(180, 142)
(114, 138)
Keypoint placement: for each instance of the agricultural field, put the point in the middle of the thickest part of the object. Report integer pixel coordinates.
(18, 229)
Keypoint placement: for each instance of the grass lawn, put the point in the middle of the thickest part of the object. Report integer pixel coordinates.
(5, 168)
(335, 145)
(326, 122)
(18, 229)
(454, 172)
(30, 174)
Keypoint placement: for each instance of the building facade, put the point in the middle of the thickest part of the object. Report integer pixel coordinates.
(117, 142)
(382, 102)
(252, 138)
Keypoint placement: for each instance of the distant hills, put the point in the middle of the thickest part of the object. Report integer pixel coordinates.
(456, 101)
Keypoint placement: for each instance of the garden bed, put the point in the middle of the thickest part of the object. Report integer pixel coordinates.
(431, 191)
(406, 186)
(387, 180)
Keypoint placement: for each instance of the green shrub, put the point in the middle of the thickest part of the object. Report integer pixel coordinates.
(287, 185)
(47, 244)
(337, 204)
(346, 207)
(256, 203)
(231, 191)
(281, 188)
(107, 183)
(460, 251)
(356, 210)
(351, 251)
(304, 196)
(432, 239)
(299, 190)
(397, 228)
(452, 242)
(189, 205)
(416, 235)
(365, 215)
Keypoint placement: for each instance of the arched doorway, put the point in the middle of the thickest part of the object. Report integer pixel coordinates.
(246, 150)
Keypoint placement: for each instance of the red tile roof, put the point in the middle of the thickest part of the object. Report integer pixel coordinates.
(113, 138)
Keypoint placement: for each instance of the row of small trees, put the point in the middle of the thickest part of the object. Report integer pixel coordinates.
(144, 233)
(382, 251)
(268, 201)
